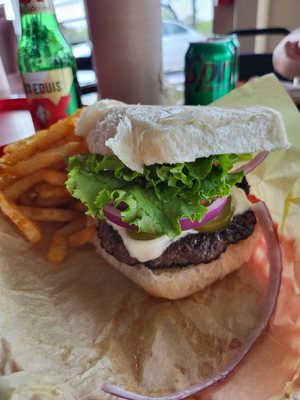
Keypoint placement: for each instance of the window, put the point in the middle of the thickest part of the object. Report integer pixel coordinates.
(72, 19)
(170, 28)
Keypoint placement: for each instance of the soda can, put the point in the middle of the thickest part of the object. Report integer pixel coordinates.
(235, 68)
(211, 69)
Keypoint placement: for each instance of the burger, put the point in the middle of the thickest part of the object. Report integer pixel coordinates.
(166, 187)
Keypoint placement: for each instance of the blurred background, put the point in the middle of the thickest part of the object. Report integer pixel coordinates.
(183, 21)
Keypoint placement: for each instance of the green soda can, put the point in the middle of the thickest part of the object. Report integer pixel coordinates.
(235, 67)
(47, 64)
(211, 69)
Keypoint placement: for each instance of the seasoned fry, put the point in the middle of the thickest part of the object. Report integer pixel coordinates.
(29, 229)
(43, 159)
(32, 187)
(42, 140)
(52, 201)
(82, 237)
(17, 151)
(26, 199)
(77, 205)
(54, 177)
(59, 166)
(6, 180)
(49, 214)
(58, 248)
(15, 190)
(46, 190)
(74, 226)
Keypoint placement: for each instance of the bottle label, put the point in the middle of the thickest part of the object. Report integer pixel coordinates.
(36, 7)
(51, 95)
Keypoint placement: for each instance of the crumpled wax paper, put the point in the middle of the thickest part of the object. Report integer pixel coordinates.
(65, 330)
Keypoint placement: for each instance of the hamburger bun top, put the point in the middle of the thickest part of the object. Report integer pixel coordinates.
(144, 135)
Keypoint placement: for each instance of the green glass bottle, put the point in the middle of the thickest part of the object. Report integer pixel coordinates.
(47, 64)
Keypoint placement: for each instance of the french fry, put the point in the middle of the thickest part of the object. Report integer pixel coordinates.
(32, 186)
(49, 214)
(46, 190)
(16, 189)
(77, 205)
(43, 159)
(52, 201)
(74, 226)
(82, 237)
(28, 143)
(29, 229)
(6, 180)
(61, 166)
(42, 140)
(58, 248)
(54, 177)
(27, 198)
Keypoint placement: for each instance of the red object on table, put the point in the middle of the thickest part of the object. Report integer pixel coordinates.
(15, 121)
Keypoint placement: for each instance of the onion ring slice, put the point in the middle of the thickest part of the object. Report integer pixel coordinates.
(214, 209)
(274, 255)
(251, 165)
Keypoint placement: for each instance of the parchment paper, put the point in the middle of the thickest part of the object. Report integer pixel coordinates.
(65, 330)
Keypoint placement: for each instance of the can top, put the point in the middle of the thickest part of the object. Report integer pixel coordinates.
(216, 39)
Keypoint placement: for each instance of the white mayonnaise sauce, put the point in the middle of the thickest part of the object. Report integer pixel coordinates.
(145, 250)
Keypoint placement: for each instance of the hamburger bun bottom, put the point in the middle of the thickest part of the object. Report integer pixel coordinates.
(177, 283)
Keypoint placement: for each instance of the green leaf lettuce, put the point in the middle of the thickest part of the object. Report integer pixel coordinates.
(157, 199)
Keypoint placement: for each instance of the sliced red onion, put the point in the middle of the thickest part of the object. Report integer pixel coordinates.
(213, 211)
(114, 215)
(251, 165)
(274, 255)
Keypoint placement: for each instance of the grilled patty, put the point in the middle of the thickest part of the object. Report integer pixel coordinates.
(191, 249)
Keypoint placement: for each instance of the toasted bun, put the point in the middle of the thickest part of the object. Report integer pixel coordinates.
(181, 282)
(144, 135)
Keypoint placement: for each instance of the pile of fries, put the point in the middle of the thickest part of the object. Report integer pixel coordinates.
(32, 188)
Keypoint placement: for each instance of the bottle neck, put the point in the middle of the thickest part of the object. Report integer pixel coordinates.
(38, 17)
(33, 7)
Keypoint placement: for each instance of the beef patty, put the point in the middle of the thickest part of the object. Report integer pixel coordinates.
(191, 249)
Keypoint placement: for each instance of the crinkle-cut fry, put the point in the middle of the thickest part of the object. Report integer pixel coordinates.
(82, 237)
(17, 188)
(43, 159)
(46, 190)
(58, 248)
(29, 229)
(54, 177)
(52, 201)
(49, 214)
(40, 141)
